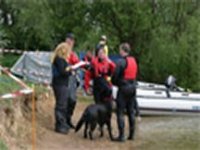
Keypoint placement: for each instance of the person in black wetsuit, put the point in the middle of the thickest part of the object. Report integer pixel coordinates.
(125, 78)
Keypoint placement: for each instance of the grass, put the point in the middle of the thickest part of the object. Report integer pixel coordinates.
(3, 145)
(8, 60)
(7, 85)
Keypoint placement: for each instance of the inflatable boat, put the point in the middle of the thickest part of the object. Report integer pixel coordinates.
(154, 100)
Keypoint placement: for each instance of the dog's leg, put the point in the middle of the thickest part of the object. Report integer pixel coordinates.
(85, 130)
(101, 130)
(108, 123)
(92, 127)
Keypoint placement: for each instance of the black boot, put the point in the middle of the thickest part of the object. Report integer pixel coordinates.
(62, 130)
(131, 134)
(61, 126)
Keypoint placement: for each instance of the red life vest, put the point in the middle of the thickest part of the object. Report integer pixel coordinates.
(130, 71)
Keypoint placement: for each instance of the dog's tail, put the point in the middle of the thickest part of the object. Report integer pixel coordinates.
(80, 123)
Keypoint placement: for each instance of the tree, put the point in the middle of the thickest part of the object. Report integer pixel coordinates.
(164, 35)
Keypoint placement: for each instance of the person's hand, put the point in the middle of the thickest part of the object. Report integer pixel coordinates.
(108, 79)
(68, 68)
(87, 66)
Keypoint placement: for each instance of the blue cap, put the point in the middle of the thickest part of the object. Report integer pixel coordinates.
(70, 36)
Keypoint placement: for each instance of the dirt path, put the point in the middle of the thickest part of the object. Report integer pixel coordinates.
(54, 141)
(153, 133)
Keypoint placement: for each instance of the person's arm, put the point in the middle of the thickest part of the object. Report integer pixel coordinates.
(94, 68)
(112, 67)
(74, 58)
(106, 50)
(87, 79)
(118, 73)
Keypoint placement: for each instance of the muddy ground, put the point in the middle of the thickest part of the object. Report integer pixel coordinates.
(152, 133)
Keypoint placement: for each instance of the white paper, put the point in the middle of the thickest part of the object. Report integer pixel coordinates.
(114, 91)
(79, 64)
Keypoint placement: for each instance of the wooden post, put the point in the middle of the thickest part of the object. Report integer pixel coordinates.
(33, 120)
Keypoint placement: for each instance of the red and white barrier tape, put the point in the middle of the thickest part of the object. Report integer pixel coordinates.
(16, 94)
(26, 89)
(20, 82)
(13, 51)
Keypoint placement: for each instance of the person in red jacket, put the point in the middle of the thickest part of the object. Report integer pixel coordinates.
(72, 59)
(102, 69)
(88, 75)
(125, 78)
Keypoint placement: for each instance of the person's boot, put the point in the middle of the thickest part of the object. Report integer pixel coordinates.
(121, 137)
(60, 125)
(62, 129)
(131, 134)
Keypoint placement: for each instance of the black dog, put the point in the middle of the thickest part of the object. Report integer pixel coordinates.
(96, 114)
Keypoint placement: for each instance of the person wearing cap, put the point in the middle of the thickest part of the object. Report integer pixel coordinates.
(72, 59)
(125, 78)
(103, 41)
(101, 68)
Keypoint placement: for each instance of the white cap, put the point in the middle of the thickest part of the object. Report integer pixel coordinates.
(103, 37)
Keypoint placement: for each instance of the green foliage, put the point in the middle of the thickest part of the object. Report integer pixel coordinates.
(3, 41)
(164, 35)
(8, 60)
(3, 146)
(8, 85)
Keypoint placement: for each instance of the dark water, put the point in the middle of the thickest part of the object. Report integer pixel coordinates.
(169, 133)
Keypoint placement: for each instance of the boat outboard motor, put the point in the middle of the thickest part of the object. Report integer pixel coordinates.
(170, 83)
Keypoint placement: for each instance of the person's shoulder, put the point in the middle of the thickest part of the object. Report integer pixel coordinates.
(121, 60)
(94, 60)
(56, 59)
(133, 58)
(130, 56)
(73, 54)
